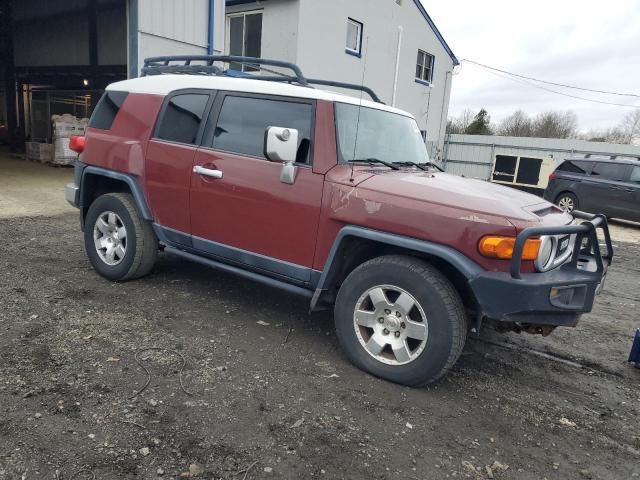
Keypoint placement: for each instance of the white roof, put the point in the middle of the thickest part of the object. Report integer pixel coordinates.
(165, 84)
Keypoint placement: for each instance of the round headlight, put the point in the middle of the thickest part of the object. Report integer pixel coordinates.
(544, 254)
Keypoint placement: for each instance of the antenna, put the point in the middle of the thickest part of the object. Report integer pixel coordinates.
(364, 71)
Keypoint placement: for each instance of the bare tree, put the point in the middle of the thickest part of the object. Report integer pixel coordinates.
(461, 123)
(555, 125)
(630, 127)
(627, 132)
(518, 124)
(610, 135)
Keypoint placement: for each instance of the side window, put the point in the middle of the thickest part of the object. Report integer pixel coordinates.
(181, 118)
(107, 109)
(243, 122)
(424, 67)
(610, 171)
(575, 166)
(635, 175)
(354, 37)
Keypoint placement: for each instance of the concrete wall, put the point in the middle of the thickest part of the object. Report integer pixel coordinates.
(472, 155)
(177, 27)
(313, 34)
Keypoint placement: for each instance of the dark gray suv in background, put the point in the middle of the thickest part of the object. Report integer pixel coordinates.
(592, 184)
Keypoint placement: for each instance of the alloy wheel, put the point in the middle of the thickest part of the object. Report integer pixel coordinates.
(390, 325)
(110, 238)
(566, 203)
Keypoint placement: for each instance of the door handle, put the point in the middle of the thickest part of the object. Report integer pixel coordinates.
(614, 188)
(207, 172)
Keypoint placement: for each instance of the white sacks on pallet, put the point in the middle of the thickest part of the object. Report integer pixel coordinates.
(41, 152)
(64, 126)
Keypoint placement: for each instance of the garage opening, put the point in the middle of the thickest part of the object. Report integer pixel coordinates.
(56, 58)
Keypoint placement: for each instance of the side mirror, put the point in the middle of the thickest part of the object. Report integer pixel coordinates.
(281, 144)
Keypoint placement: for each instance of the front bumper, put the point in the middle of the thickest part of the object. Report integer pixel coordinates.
(557, 297)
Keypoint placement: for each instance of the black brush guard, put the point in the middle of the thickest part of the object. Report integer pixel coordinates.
(557, 297)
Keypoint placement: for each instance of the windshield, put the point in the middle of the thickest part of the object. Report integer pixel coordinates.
(386, 136)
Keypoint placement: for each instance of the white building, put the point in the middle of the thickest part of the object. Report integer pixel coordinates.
(392, 46)
(66, 49)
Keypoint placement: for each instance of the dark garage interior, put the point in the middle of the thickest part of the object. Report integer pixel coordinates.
(56, 57)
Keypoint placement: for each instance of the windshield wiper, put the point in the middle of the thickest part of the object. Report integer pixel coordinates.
(411, 164)
(421, 166)
(376, 160)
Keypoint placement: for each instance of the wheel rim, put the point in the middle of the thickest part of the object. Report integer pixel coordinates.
(110, 238)
(390, 325)
(566, 204)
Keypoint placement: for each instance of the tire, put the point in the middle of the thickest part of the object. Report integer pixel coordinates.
(567, 201)
(425, 352)
(113, 220)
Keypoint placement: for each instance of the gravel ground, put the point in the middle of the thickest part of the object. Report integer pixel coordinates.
(265, 391)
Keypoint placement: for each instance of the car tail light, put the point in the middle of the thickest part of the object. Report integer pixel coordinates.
(494, 246)
(76, 143)
(552, 176)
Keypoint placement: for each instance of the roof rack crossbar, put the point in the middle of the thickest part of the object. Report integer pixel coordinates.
(329, 83)
(167, 64)
(158, 65)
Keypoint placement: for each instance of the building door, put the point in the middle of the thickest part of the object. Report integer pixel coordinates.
(247, 215)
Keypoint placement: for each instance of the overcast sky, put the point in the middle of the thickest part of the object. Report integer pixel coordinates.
(586, 43)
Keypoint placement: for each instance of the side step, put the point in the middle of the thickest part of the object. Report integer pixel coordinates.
(272, 282)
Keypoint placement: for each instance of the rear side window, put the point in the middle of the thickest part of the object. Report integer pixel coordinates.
(610, 171)
(182, 116)
(635, 175)
(575, 166)
(243, 122)
(107, 109)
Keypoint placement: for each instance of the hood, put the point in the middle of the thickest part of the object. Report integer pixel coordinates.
(474, 196)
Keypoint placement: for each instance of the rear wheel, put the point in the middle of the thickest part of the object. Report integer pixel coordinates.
(567, 202)
(120, 244)
(400, 319)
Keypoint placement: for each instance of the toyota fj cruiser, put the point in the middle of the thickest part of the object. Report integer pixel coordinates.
(328, 196)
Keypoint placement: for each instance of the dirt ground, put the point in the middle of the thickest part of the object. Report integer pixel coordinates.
(265, 391)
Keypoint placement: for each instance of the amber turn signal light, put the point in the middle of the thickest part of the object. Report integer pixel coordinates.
(494, 246)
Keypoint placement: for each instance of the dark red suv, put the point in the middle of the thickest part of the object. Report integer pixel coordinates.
(328, 196)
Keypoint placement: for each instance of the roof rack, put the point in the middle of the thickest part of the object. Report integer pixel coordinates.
(205, 66)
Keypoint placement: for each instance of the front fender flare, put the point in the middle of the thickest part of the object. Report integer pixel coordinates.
(467, 267)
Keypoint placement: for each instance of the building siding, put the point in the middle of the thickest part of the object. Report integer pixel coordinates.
(177, 27)
(313, 34)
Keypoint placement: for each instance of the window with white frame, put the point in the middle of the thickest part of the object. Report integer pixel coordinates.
(354, 37)
(424, 67)
(244, 38)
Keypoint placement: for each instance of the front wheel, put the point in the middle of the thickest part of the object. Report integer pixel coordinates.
(120, 244)
(400, 319)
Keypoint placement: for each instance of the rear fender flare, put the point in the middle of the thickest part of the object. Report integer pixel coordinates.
(129, 180)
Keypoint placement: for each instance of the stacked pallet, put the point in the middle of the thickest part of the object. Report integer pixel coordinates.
(64, 127)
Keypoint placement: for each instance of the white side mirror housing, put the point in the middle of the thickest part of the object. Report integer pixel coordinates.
(281, 144)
